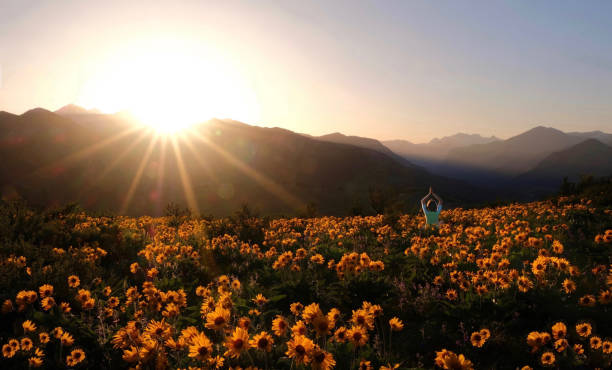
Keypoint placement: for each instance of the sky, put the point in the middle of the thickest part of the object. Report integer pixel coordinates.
(410, 70)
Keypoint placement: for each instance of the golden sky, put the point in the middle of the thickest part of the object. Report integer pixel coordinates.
(388, 70)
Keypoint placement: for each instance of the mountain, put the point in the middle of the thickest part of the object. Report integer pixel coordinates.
(72, 109)
(462, 139)
(437, 147)
(601, 136)
(363, 142)
(514, 155)
(431, 155)
(51, 159)
(497, 164)
(590, 157)
(95, 120)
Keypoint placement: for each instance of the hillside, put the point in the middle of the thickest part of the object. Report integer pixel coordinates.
(590, 157)
(55, 159)
(436, 148)
(364, 142)
(514, 155)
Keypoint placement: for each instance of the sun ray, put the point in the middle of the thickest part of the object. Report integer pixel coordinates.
(161, 173)
(185, 180)
(81, 154)
(186, 140)
(115, 162)
(138, 175)
(268, 184)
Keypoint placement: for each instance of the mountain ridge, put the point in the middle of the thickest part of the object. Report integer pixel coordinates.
(223, 164)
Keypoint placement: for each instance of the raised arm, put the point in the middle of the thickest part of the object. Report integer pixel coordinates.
(437, 197)
(426, 196)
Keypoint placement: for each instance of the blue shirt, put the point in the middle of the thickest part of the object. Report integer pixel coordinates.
(431, 217)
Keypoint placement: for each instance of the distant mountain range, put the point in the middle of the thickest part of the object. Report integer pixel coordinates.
(106, 163)
(428, 154)
(532, 163)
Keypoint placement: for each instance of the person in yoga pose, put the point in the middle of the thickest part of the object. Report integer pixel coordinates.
(432, 205)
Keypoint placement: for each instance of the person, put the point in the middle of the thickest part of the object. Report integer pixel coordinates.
(431, 207)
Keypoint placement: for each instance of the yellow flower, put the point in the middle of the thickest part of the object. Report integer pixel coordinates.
(595, 342)
(65, 306)
(113, 302)
(75, 357)
(7, 306)
(47, 303)
(216, 361)
(159, 329)
(299, 328)
(131, 354)
(236, 343)
(587, 300)
(578, 349)
(569, 286)
(559, 330)
(45, 290)
(322, 325)
(477, 339)
(561, 345)
(583, 329)
(321, 360)
(8, 351)
(28, 326)
(279, 326)
(486, 334)
(260, 300)
(340, 335)
(450, 360)
(171, 310)
(524, 284)
(202, 291)
(357, 335)
(536, 339)
(389, 367)
(218, 319)
(548, 358)
(396, 324)
(310, 312)
(26, 344)
(73, 281)
(14, 344)
(296, 308)
(201, 347)
(244, 323)
(262, 341)
(364, 318)
(66, 339)
(298, 349)
(35, 361)
(43, 337)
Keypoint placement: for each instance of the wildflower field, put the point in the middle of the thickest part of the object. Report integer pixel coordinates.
(520, 285)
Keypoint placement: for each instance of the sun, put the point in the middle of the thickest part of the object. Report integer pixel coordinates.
(170, 85)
